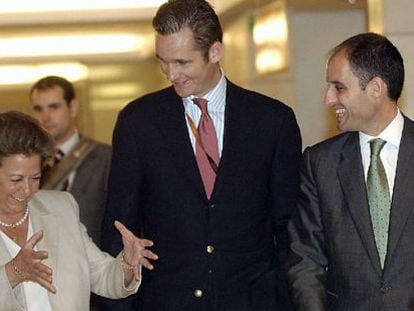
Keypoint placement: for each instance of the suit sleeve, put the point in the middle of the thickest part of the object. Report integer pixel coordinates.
(285, 182)
(123, 187)
(106, 273)
(123, 196)
(308, 260)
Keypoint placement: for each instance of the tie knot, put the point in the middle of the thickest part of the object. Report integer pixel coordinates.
(376, 146)
(201, 103)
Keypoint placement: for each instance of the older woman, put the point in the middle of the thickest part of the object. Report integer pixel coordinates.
(47, 260)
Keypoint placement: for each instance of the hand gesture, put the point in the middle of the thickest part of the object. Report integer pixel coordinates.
(28, 266)
(135, 249)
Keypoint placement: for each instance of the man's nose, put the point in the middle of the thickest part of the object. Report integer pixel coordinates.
(331, 97)
(171, 72)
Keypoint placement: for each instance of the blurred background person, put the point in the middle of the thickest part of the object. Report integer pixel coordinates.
(47, 260)
(81, 165)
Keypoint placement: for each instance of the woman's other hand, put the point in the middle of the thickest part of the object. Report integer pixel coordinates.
(28, 266)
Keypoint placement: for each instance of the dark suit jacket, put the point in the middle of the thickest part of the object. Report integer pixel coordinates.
(335, 263)
(89, 189)
(155, 189)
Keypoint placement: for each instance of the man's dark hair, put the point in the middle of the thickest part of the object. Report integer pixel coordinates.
(372, 55)
(50, 82)
(197, 15)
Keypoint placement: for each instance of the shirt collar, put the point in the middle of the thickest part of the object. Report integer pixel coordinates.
(218, 91)
(391, 134)
(68, 145)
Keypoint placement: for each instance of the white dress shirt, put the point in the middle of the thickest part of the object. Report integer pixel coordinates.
(389, 154)
(36, 296)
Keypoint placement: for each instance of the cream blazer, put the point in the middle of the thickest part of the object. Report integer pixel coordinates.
(79, 267)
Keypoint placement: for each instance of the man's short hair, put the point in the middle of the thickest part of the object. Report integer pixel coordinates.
(372, 55)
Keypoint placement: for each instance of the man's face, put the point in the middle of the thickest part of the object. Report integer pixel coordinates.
(54, 113)
(353, 107)
(185, 66)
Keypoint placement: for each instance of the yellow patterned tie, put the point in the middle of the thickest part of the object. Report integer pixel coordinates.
(379, 198)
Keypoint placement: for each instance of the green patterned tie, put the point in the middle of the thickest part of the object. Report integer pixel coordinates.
(379, 198)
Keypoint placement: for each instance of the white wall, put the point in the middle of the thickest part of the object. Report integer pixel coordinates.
(398, 26)
(312, 35)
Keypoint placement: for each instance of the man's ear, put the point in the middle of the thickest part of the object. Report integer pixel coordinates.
(74, 107)
(377, 87)
(215, 53)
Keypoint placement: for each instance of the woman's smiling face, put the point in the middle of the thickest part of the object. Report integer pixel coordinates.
(19, 181)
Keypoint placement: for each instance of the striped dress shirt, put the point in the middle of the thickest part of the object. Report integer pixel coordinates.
(216, 98)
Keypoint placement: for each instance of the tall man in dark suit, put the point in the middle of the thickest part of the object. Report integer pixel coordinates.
(221, 246)
(352, 237)
(83, 166)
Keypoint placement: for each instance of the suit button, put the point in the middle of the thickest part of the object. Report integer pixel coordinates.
(210, 249)
(198, 293)
(212, 205)
(384, 288)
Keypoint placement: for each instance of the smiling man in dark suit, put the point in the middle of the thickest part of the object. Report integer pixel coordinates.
(221, 242)
(352, 237)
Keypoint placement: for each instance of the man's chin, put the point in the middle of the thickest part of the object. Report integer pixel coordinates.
(344, 128)
(183, 89)
(50, 130)
(180, 92)
(341, 124)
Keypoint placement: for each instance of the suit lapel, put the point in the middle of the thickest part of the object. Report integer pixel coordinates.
(172, 124)
(238, 121)
(403, 196)
(44, 219)
(352, 180)
(41, 219)
(239, 118)
(4, 253)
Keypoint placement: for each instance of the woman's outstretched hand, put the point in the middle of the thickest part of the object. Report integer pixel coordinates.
(135, 250)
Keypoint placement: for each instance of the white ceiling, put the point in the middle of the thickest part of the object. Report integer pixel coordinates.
(59, 22)
(23, 12)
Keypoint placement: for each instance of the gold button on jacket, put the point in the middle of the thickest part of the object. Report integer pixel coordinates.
(198, 293)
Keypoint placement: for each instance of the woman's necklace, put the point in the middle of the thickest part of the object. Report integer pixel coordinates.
(16, 224)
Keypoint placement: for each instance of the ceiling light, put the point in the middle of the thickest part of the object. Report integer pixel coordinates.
(28, 74)
(270, 37)
(270, 60)
(26, 6)
(33, 46)
(270, 28)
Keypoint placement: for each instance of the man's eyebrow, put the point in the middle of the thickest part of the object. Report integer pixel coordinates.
(181, 60)
(48, 105)
(334, 82)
